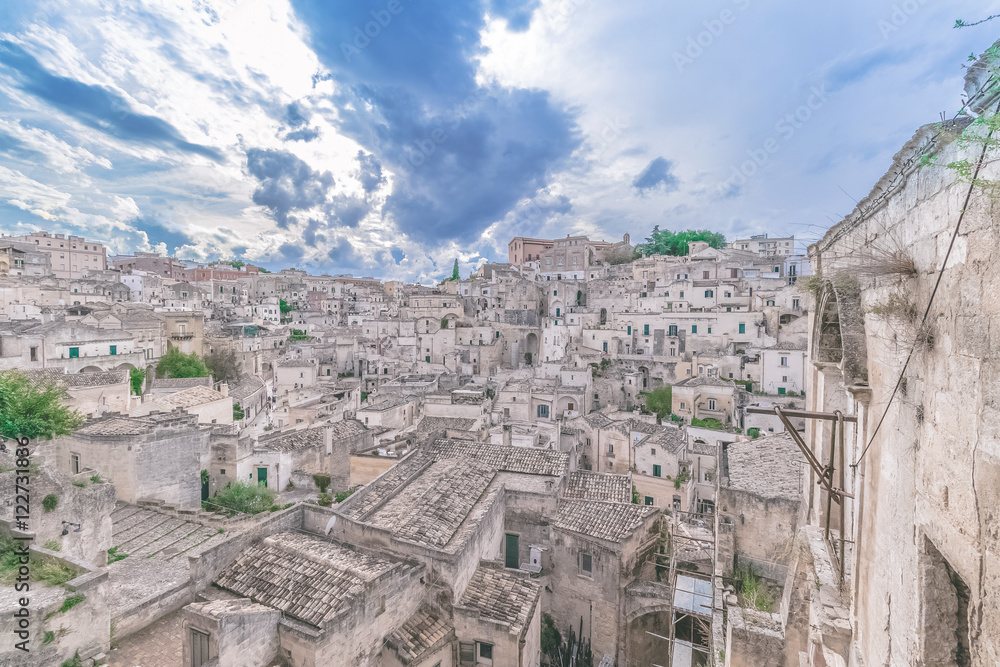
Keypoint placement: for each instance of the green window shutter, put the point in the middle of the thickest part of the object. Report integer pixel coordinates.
(743, 328)
(74, 353)
(630, 331)
(645, 329)
(694, 328)
(656, 471)
(114, 350)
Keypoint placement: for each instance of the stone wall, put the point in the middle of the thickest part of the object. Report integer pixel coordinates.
(930, 481)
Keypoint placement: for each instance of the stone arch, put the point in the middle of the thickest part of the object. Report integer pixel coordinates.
(530, 348)
(839, 331)
(127, 366)
(644, 377)
(604, 316)
(91, 369)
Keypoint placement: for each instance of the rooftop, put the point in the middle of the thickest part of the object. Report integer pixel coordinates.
(430, 508)
(503, 457)
(247, 385)
(419, 633)
(703, 381)
(604, 520)
(769, 467)
(311, 437)
(190, 397)
(306, 577)
(585, 485)
(501, 596)
(122, 425)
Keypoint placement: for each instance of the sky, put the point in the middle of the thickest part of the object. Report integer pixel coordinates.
(390, 137)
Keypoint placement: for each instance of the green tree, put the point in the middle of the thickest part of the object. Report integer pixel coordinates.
(284, 307)
(666, 242)
(136, 377)
(34, 410)
(454, 271)
(223, 366)
(176, 364)
(659, 402)
(551, 639)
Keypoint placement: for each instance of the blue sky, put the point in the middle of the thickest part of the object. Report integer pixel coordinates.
(389, 137)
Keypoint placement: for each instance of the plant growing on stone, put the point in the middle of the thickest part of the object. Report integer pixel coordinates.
(136, 377)
(325, 499)
(245, 497)
(51, 545)
(50, 502)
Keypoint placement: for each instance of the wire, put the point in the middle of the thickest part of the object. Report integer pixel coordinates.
(930, 302)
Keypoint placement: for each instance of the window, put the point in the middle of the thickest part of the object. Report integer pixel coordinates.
(694, 328)
(558, 311)
(672, 330)
(645, 329)
(34, 353)
(711, 404)
(781, 391)
(657, 471)
(586, 564)
(784, 361)
(467, 653)
(682, 294)
(543, 412)
(611, 450)
(485, 653)
(710, 330)
(74, 463)
(704, 275)
(648, 500)
(770, 302)
(709, 293)
(74, 353)
(743, 328)
(682, 402)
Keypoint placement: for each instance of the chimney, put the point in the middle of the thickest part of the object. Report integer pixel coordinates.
(224, 389)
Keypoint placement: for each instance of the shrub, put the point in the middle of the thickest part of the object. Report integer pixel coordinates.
(681, 478)
(325, 499)
(322, 482)
(753, 432)
(341, 496)
(114, 556)
(659, 402)
(238, 413)
(245, 497)
(50, 502)
(96, 479)
(752, 589)
(711, 423)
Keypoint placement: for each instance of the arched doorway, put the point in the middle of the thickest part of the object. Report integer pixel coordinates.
(530, 349)
(604, 316)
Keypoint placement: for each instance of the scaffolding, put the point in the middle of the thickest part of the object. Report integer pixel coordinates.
(687, 597)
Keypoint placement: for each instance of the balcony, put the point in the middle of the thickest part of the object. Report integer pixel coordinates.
(181, 336)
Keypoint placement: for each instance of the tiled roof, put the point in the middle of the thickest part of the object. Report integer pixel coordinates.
(104, 378)
(703, 381)
(604, 520)
(306, 577)
(180, 383)
(372, 495)
(189, 397)
(503, 457)
(769, 467)
(639, 426)
(311, 437)
(669, 438)
(247, 385)
(432, 506)
(432, 424)
(419, 633)
(117, 425)
(501, 596)
(598, 420)
(585, 485)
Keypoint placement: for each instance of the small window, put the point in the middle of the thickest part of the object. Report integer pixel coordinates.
(784, 361)
(222, 471)
(467, 653)
(743, 328)
(586, 564)
(648, 500)
(74, 463)
(645, 329)
(694, 328)
(543, 411)
(485, 653)
(711, 404)
(657, 471)
(611, 450)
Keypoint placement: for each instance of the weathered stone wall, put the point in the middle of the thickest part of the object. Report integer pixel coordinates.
(930, 482)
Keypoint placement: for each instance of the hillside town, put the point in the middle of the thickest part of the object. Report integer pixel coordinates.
(594, 454)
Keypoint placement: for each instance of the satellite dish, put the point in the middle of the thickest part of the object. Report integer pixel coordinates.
(330, 524)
